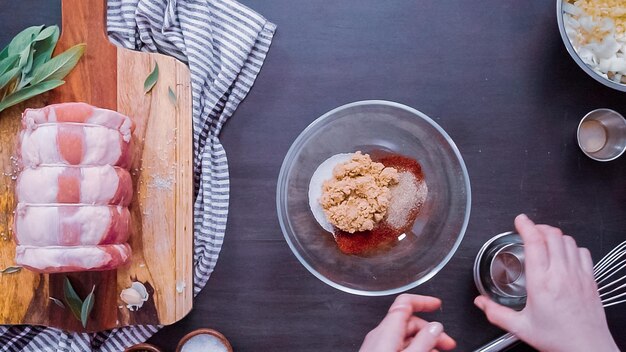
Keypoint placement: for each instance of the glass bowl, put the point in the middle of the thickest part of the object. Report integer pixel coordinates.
(439, 229)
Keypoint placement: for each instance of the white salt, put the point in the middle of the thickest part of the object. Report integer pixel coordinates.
(162, 182)
(204, 343)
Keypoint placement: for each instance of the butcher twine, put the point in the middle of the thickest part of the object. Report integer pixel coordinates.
(224, 43)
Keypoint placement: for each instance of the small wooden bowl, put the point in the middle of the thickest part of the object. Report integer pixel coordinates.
(215, 333)
(143, 347)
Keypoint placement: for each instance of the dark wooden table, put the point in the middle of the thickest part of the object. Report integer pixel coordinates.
(493, 73)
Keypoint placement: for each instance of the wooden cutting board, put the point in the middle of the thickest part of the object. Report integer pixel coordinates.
(162, 208)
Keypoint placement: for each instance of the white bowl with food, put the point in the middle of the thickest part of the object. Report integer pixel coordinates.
(594, 34)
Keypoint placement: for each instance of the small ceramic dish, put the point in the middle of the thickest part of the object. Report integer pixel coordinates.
(143, 347)
(204, 331)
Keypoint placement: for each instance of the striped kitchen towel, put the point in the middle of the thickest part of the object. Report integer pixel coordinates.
(224, 43)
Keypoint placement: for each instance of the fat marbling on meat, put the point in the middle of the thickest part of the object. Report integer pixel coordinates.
(78, 113)
(73, 144)
(74, 191)
(94, 185)
(59, 259)
(71, 225)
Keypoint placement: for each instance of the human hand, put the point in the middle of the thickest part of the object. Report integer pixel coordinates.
(563, 309)
(402, 331)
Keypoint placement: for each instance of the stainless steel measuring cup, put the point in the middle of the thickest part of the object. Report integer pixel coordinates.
(601, 134)
(499, 270)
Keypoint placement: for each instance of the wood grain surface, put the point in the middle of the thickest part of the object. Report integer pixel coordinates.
(493, 73)
(161, 211)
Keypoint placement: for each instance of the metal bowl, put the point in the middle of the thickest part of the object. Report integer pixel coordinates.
(570, 49)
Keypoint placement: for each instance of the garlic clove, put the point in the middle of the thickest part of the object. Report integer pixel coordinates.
(180, 286)
(131, 296)
(141, 289)
(134, 296)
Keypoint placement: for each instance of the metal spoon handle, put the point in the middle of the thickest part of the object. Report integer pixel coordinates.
(500, 344)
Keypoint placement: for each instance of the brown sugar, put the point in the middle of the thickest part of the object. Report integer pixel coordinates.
(357, 197)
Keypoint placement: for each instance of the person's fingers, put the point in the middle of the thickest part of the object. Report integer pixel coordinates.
(535, 250)
(547, 228)
(416, 303)
(555, 246)
(571, 251)
(586, 263)
(416, 324)
(403, 308)
(426, 339)
(446, 342)
(396, 319)
(501, 316)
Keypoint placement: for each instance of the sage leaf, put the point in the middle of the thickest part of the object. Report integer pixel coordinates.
(26, 78)
(58, 302)
(30, 53)
(59, 66)
(23, 39)
(4, 53)
(28, 92)
(45, 46)
(47, 33)
(8, 63)
(24, 81)
(171, 95)
(87, 307)
(11, 269)
(151, 80)
(8, 76)
(24, 55)
(72, 299)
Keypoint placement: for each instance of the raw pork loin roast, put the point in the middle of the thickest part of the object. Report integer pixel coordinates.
(74, 190)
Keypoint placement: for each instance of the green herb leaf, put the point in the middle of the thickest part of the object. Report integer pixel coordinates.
(151, 80)
(45, 46)
(8, 76)
(8, 63)
(28, 92)
(23, 39)
(59, 66)
(26, 78)
(30, 53)
(24, 55)
(47, 33)
(87, 307)
(171, 95)
(57, 302)
(11, 269)
(72, 299)
(4, 53)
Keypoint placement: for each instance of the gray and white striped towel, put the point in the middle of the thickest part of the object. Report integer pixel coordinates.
(224, 43)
